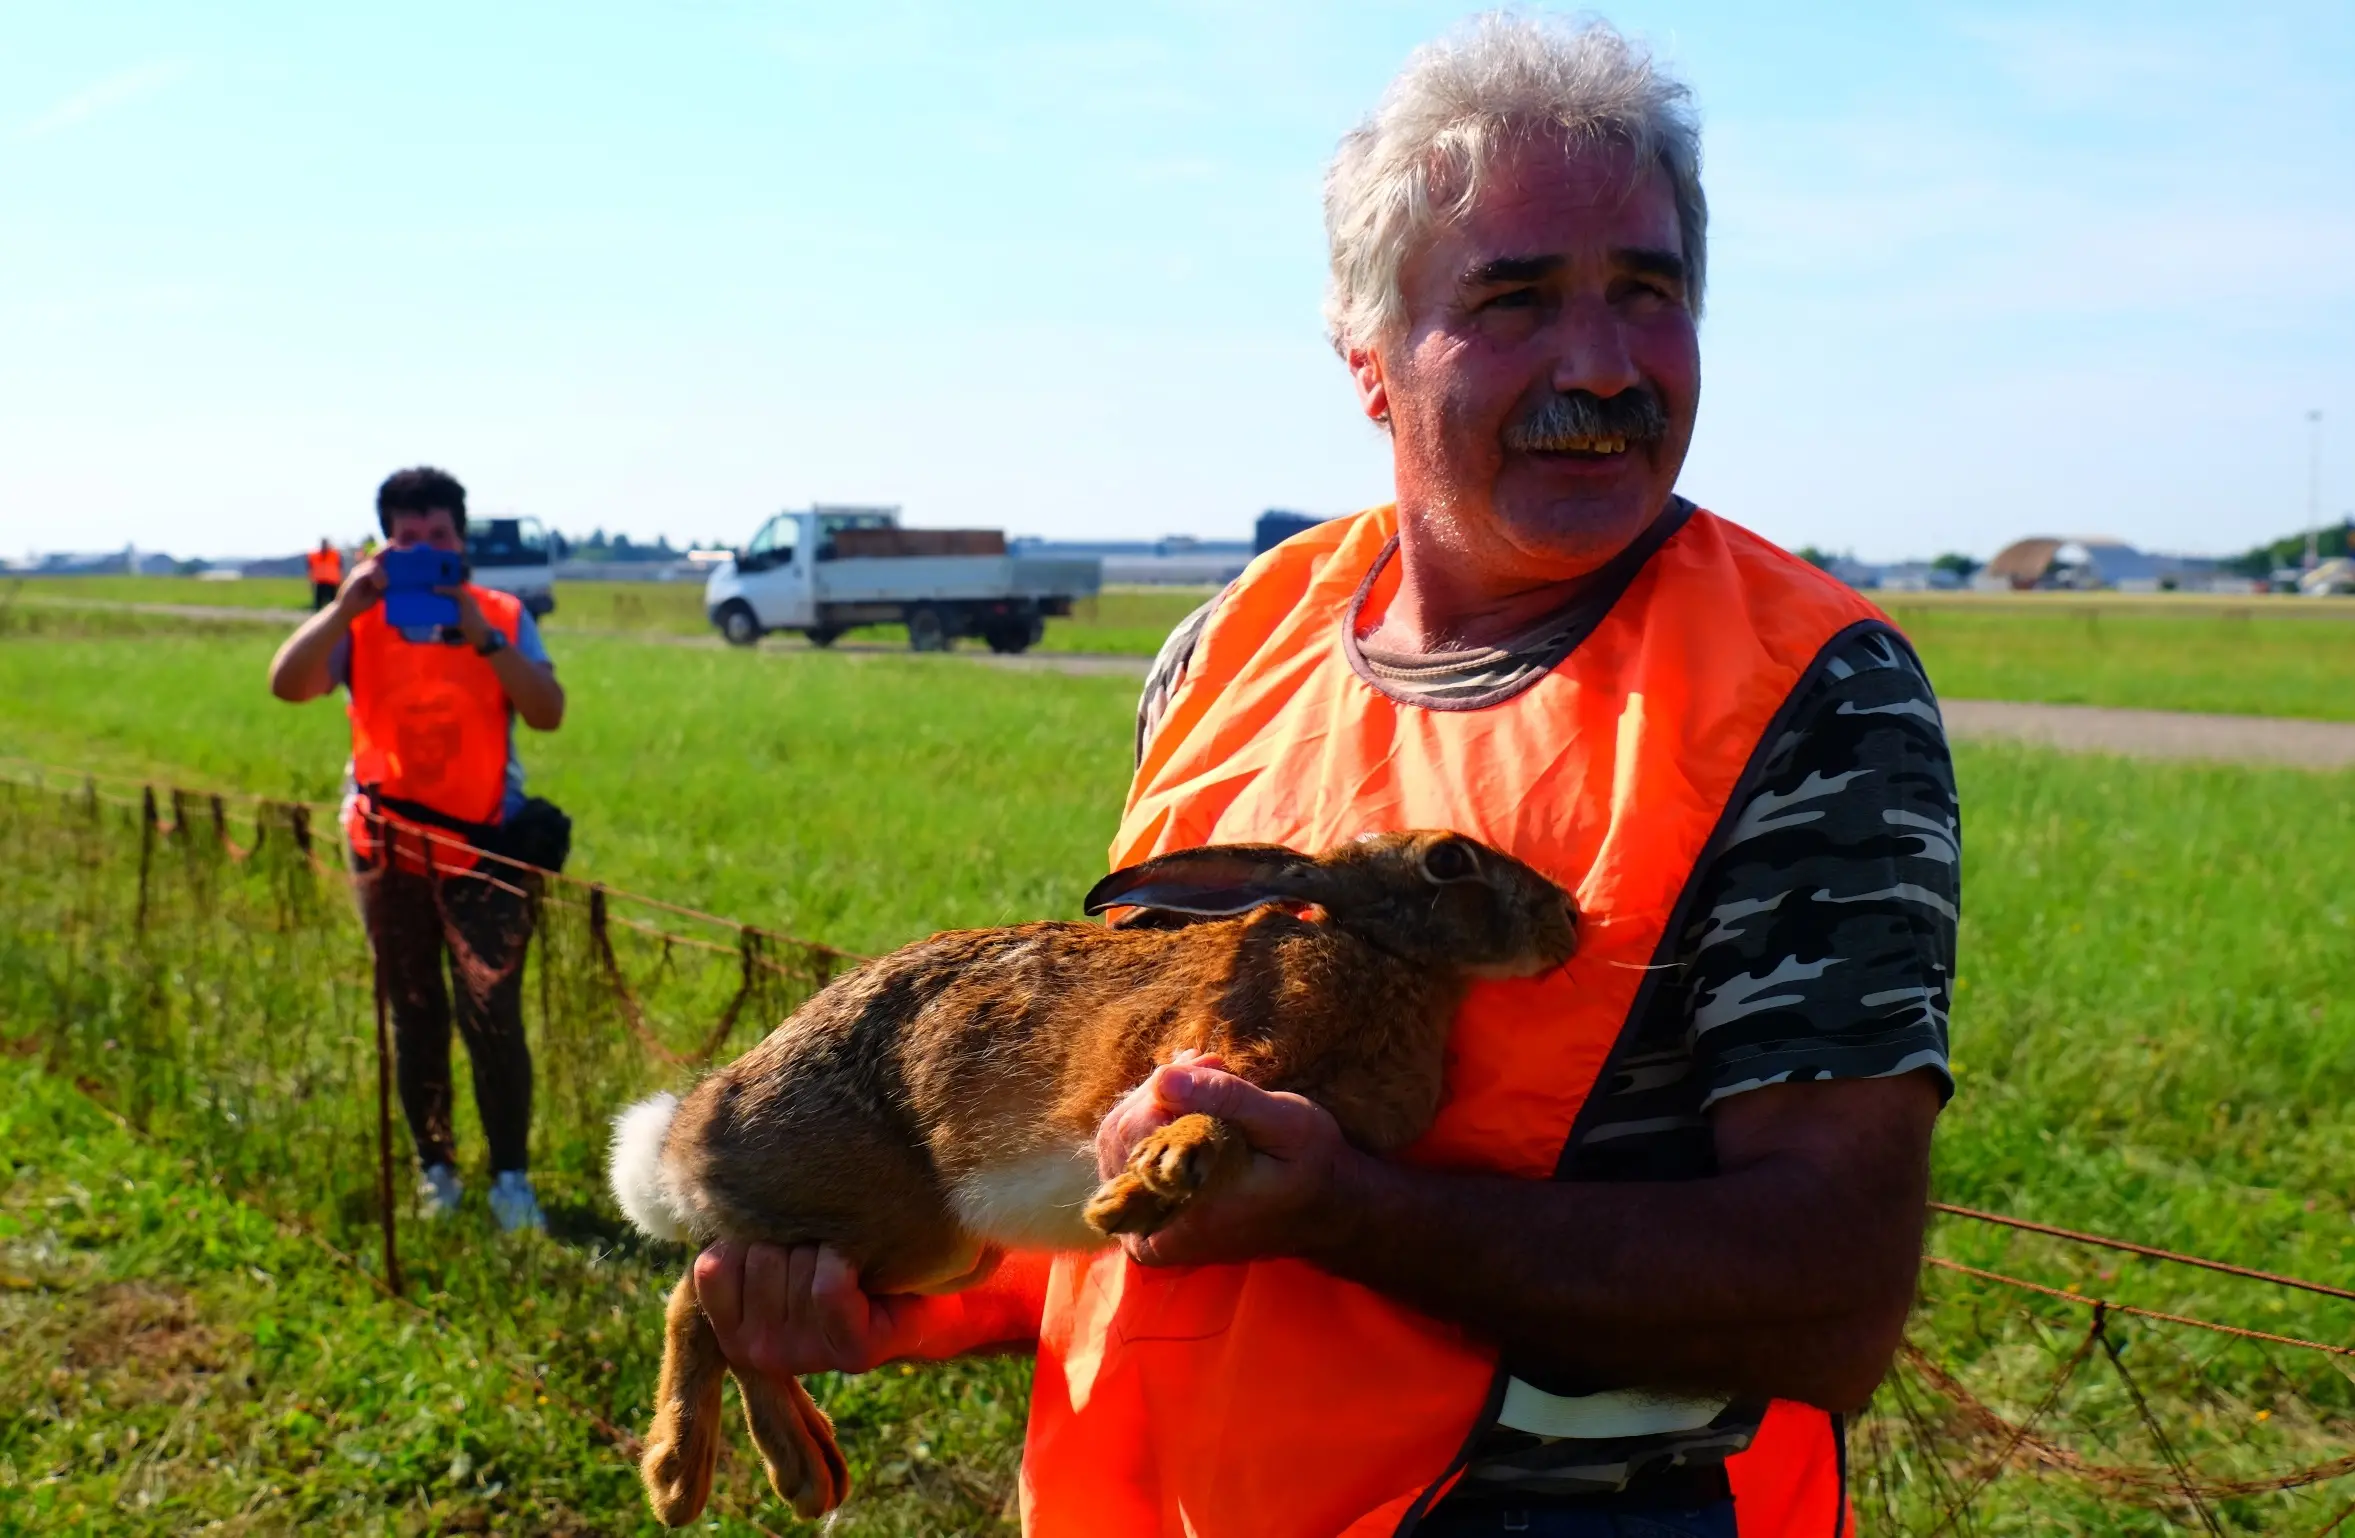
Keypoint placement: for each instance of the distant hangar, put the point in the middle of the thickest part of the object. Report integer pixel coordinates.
(2094, 561)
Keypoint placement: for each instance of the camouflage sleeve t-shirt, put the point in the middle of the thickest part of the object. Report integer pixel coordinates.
(1820, 944)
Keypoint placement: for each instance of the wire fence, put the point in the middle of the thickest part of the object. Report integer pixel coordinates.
(195, 962)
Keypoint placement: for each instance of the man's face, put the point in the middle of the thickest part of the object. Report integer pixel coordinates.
(436, 528)
(1541, 397)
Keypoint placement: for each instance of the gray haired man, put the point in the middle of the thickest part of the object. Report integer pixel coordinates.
(1736, 763)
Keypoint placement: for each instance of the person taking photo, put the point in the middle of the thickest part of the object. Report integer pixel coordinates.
(433, 781)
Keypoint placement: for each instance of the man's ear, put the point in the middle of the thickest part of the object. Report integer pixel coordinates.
(1373, 393)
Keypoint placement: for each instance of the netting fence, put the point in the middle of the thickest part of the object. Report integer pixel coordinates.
(195, 962)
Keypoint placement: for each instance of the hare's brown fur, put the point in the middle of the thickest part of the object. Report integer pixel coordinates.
(858, 1120)
(941, 1102)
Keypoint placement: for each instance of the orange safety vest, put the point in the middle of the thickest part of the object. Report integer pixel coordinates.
(1273, 1399)
(326, 565)
(429, 727)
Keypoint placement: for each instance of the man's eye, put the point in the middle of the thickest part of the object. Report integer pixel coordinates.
(1512, 299)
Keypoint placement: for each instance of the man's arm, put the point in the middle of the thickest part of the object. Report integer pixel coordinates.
(1787, 1274)
(300, 670)
(530, 682)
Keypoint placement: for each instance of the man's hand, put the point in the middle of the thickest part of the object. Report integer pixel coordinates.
(780, 1311)
(1283, 1204)
(1141, 1111)
(363, 587)
(299, 671)
(802, 1310)
(471, 621)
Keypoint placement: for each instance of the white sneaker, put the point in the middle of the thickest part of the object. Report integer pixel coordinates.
(513, 1202)
(438, 1191)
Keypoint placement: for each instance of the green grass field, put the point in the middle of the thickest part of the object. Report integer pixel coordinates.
(1128, 621)
(2277, 657)
(2253, 656)
(855, 799)
(2153, 1036)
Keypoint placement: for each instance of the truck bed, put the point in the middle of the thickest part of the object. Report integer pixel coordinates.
(854, 544)
(954, 578)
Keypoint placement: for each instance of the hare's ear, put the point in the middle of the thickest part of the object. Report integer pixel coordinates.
(1217, 882)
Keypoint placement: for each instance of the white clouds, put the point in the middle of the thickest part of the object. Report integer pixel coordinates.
(115, 91)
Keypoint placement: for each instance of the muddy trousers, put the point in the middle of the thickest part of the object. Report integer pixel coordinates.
(465, 943)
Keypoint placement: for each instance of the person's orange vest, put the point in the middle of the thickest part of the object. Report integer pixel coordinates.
(1274, 1399)
(326, 565)
(430, 729)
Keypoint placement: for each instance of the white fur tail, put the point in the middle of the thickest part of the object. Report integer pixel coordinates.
(635, 1168)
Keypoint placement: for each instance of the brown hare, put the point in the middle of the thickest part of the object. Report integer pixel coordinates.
(938, 1106)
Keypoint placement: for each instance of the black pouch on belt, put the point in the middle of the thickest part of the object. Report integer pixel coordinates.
(538, 834)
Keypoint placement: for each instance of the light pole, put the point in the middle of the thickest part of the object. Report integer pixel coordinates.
(2314, 490)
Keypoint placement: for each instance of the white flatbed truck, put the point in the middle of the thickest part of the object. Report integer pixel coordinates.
(511, 555)
(826, 570)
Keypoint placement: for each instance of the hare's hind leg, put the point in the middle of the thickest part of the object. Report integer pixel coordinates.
(796, 1443)
(682, 1444)
(1172, 1166)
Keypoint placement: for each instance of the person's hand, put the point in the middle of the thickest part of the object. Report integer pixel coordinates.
(476, 628)
(362, 587)
(801, 1310)
(1140, 1112)
(1291, 1201)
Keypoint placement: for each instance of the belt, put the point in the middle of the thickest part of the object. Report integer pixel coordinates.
(1675, 1486)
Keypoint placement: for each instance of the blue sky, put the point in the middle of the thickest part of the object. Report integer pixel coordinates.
(1977, 270)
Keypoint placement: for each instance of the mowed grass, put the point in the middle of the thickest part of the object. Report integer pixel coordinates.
(1129, 621)
(176, 1359)
(292, 594)
(2154, 1034)
(178, 1362)
(2276, 657)
(2239, 656)
(861, 800)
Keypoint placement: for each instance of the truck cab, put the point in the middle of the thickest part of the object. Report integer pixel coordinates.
(511, 555)
(826, 569)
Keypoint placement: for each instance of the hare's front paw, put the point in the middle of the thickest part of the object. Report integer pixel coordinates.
(1164, 1172)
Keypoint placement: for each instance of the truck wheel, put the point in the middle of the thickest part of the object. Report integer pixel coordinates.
(823, 635)
(1009, 639)
(927, 631)
(739, 625)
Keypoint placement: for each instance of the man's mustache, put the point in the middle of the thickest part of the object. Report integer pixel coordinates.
(1578, 420)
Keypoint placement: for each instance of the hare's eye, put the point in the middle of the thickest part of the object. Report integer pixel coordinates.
(1448, 862)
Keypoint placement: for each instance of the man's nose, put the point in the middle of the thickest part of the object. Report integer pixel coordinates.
(1591, 351)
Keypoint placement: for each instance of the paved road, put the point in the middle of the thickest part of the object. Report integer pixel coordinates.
(2071, 728)
(2158, 733)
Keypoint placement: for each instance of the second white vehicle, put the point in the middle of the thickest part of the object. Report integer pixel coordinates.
(829, 569)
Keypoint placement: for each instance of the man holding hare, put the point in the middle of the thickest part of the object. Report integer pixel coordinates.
(1664, 1231)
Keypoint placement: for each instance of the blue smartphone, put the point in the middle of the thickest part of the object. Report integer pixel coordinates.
(410, 577)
